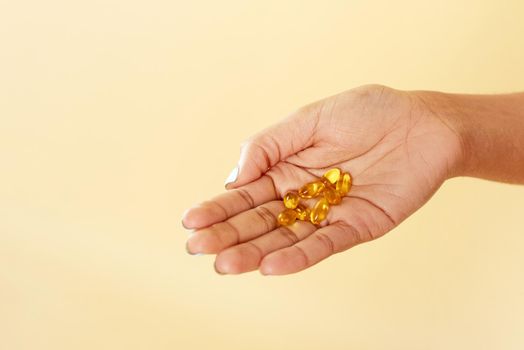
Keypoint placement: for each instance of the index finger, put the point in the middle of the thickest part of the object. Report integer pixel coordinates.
(231, 203)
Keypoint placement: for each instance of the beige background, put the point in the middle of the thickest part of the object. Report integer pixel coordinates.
(117, 115)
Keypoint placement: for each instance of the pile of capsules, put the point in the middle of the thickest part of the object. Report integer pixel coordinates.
(332, 187)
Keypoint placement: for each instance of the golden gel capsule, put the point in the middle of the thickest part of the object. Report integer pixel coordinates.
(332, 195)
(311, 189)
(344, 184)
(319, 212)
(287, 217)
(291, 200)
(332, 175)
(302, 212)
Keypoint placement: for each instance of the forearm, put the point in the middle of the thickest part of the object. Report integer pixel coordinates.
(491, 131)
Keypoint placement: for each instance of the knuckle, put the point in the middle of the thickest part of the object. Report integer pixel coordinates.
(258, 251)
(305, 259)
(226, 233)
(371, 88)
(246, 197)
(371, 92)
(288, 234)
(267, 217)
(308, 109)
(326, 241)
(352, 235)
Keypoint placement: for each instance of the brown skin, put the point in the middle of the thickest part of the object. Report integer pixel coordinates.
(491, 128)
(399, 146)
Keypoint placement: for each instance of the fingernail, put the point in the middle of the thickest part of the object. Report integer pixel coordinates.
(189, 230)
(264, 270)
(190, 252)
(216, 270)
(232, 177)
(184, 214)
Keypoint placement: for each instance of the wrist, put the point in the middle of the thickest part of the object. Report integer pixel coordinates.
(446, 109)
(490, 131)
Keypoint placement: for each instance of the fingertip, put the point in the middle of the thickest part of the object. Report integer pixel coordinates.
(185, 223)
(190, 252)
(237, 259)
(188, 249)
(203, 242)
(269, 265)
(254, 161)
(217, 270)
(228, 261)
(282, 262)
(196, 217)
(230, 186)
(189, 219)
(232, 178)
(265, 270)
(270, 270)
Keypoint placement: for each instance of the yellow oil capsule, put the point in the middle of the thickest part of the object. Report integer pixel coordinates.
(332, 175)
(311, 190)
(332, 195)
(291, 200)
(287, 217)
(302, 212)
(319, 212)
(344, 184)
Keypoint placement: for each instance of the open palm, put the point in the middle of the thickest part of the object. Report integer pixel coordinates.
(397, 151)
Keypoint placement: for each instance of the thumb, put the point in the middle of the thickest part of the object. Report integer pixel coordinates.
(266, 148)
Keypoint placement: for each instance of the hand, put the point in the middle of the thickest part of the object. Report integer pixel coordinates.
(396, 149)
